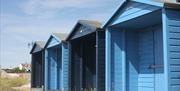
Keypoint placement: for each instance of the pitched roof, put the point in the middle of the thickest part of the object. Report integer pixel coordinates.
(164, 3)
(160, 3)
(90, 23)
(37, 45)
(60, 36)
(41, 44)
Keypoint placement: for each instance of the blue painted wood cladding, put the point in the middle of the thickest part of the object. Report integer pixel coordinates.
(172, 45)
(139, 51)
(142, 48)
(65, 67)
(56, 64)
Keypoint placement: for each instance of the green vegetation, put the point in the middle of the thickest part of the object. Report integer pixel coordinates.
(15, 70)
(6, 84)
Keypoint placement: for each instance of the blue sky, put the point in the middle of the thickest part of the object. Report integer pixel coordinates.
(24, 21)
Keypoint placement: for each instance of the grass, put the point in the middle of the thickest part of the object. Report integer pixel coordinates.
(16, 82)
(6, 84)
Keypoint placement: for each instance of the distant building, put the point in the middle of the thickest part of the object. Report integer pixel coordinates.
(25, 66)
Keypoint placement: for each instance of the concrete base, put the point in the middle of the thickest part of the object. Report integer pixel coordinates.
(36, 89)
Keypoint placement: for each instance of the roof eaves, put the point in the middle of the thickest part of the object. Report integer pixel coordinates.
(40, 44)
(123, 3)
(47, 42)
(60, 36)
(173, 5)
(91, 23)
(105, 24)
(33, 48)
(158, 3)
(72, 31)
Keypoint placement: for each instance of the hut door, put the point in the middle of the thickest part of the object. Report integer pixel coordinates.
(159, 64)
(150, 61)
(146, 61)
(53, 71)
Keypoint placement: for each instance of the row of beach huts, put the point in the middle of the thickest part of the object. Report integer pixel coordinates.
(136, 49)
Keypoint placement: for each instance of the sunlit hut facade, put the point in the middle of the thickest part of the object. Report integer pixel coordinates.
(87, 56)
(37, 64)
(56, 63)
(143, 46)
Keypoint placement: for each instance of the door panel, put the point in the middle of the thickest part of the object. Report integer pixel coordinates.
(53, 68)
(146, 60)
(159, 70)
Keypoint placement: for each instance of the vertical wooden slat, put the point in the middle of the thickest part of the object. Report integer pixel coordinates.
(100, 60)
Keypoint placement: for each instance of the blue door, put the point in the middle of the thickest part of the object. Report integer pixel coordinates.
(151, 76)
(53, 70)
(146, 62)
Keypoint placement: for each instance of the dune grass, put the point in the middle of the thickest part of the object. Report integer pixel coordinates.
(6, 84)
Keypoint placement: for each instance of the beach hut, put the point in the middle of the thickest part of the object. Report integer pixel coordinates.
(87, 56)
(37, 64)
(56, 63)
(143, 46)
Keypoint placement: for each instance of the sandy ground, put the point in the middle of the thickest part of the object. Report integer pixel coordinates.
(25, 87)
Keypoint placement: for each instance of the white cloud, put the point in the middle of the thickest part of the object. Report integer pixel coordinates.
(49, 8)
(38, 22)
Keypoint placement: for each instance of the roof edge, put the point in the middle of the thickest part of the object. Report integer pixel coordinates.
(51, 36)
(80, 22)
(36, 44)
(154, 3)
(114, 14)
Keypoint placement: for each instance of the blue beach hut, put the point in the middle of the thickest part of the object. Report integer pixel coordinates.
(37, 64)
(143, 46)
(56, 63)
(87, 56)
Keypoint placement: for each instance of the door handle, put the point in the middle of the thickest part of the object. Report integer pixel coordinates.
(153, 66)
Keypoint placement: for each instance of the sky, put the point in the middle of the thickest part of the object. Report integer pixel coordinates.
(25, 21)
